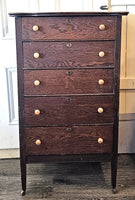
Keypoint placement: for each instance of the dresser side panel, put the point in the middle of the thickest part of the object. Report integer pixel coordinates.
(20, 84)
(117, 83)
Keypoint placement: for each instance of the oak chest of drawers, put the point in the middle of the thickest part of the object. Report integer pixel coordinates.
(68, 87)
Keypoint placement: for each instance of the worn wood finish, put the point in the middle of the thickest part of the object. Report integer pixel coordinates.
(63, 110)
(57, 54)
(98, 157)
(18, 23)
(68, 81)
(68, 140)
(69, 28)
(66, 14)
(116, 104)
(68, 110)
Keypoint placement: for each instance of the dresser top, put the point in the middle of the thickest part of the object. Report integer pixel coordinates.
(66, 14)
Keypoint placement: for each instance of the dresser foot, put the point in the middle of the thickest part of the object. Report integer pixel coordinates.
(23, 192)
(114, 190)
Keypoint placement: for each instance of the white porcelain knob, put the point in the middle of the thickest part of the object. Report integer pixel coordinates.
(102, 27)
(101, 81)
(36, 55)
(100, 140)
(37, 112)
(38, 142)
(100, 110)
(36, 82)
(101, 54)
(35, 28)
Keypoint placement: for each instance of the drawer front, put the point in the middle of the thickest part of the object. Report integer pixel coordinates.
(75, 81)
(40, 111)
(62, 28)
(68, 140)
(68, 54)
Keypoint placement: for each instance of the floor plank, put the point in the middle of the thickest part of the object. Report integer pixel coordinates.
(70, 181)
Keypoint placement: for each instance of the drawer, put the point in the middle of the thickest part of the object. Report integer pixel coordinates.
(75, 81)
(68, 140)
(68, 54)
(40, 111)
(64, 28)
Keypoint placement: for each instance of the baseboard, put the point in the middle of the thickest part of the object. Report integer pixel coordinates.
(9, 153)
(127, 117)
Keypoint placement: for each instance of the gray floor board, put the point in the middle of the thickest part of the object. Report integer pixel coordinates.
(70, 181)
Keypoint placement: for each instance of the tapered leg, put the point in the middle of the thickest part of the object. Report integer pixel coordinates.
(114, 173)
(23, 175)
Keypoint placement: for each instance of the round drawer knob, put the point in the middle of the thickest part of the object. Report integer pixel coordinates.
(100, 110)
(35, 28)
(36, 55)
(101, 54)
(36, 82)
(101, 81)
(100, 140)
(102, 27)
(37, 112)
(38, 142)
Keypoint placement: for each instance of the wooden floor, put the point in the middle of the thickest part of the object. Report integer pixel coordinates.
(72, 181)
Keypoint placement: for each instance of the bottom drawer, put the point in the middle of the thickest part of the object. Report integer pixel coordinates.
(68, 140)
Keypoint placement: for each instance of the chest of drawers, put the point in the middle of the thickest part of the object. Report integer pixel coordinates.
(68, 86)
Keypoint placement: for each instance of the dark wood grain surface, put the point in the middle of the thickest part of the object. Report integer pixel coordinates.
(68, 81)
(69, 28)
(116, 103)
(69, 94)
(68, 110)
(71, 140)
(92, 157)
(66, 14)
(20, 88)
(57, 54)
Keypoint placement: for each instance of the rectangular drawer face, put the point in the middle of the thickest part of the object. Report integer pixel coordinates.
(69, 140)
(68, 110)
(64, 28)
(68, 54)
(43, 82)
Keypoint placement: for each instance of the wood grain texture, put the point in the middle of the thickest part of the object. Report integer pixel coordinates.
(18, 22)
(57, 54)
(116, 103)
(68, 28)
(68, 42)
(66, 14)
(60, 141)
(105, 157)
(68, 81)
(60, 110)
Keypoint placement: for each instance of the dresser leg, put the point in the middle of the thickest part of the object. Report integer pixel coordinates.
(23, 176)
(114, 174)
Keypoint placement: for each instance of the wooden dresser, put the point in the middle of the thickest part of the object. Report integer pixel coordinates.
(68, 86)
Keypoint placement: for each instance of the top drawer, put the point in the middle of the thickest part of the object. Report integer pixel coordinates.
(72, 28)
